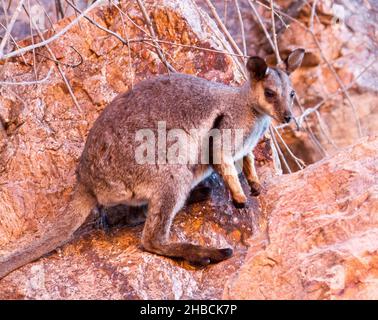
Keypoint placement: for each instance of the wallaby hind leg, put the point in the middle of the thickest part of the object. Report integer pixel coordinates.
(161, 212)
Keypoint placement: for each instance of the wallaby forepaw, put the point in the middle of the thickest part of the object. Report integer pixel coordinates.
(239, 200)
(255, 188)
(239, 205)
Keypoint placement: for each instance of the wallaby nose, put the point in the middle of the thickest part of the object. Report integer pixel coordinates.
(287, 118)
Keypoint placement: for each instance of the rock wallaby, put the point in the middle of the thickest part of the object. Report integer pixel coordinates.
(108, 173)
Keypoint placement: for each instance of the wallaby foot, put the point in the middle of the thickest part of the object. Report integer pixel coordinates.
(230, 177)
(161, 212)
(194, 254)
(255, 188)
(239, 205)
(239, 200)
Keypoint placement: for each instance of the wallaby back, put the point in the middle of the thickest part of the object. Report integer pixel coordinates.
(58, 233)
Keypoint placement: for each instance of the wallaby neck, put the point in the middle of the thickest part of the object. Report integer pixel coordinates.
(244, 101)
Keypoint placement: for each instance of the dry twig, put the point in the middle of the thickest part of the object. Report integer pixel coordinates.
(10, 26)
(52, 38)
(153, 35)
(240, 17)
(276, 51)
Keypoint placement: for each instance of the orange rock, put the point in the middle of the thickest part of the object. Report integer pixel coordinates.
(322, 233)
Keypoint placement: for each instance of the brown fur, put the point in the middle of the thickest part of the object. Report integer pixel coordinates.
(108, 174)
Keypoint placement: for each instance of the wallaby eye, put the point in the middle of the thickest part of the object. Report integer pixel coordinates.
(269, 93)
(292, 94)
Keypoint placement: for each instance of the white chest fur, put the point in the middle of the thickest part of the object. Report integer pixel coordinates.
(260, 127)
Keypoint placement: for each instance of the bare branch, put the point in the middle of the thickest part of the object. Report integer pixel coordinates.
(97, 24)
(153, 35)
(241, 27)
(261, 23)
(51, 39)
(276, 51)
(223, 27)
(225, 45)
(10, 26)
(298, 161)
(278, 149)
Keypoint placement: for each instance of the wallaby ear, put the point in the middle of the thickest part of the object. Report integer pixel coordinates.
(294, 60)
(257, 67)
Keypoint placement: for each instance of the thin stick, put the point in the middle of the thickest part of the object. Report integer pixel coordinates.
(125, 30)
(5, 10)
(275, 12)
(225, 11)
(153, 35)
(293, 9)
(322, 126)
(112, 33)
(10, 26)
(278, 149)
(57, 65)
(97, 24)
(32, 40)
(261, 23)
(60, 71)
(193, 47)
(15, 43)
(47, 15)
(223, 27)
(241, 27)
(309, 130)
(298, 161)
(313, 11)
(225, 45)
(59, 10)
(51, 39)
(65, 64)
(276, 51)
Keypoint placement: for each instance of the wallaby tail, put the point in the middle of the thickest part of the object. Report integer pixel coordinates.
(58, 233)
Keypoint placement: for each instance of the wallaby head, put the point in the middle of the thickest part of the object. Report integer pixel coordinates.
(270, 88)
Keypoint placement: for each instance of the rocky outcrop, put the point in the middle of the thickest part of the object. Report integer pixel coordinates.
(313, 236)
(322, 233)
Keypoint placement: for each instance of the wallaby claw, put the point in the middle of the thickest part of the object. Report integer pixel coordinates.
(255, 188)
(239, 205)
